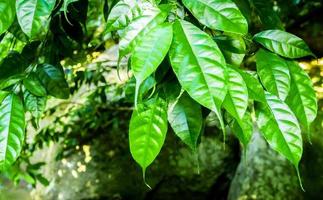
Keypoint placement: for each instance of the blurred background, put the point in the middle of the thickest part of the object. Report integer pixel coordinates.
(81, 149)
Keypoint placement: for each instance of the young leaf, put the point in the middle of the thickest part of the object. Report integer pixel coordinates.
(221, 15)
(147, 131)
(121, 15)
(33, 16)
(199, 66)
(283, 43)
(33, 85)
(233, 48)
(301, 98)
(185, 117)
(273, 72)
(12, 130)
(243, 129)
(280, 128)
(149, 19)
(236, 100)
(54, 81)
(150, 52)
(7, 16)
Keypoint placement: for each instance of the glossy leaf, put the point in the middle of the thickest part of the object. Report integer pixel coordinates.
(3, 94)
(280, 128)
(243, 129)
(147, 131)
(33, 16)
(273, 72)
(35, 104)
(150, 52)
(283, 43)
(185, 117)
(301, 98)
(221, 15)
(199, 66)
(12, 130)
(233, 48)
(236, 100)
(255, 90)
(268, 16)
(149, 19)
(53, 79)
(33, 85)
(7, 16)
(122, 14)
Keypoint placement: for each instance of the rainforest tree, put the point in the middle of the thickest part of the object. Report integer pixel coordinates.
(188, 58)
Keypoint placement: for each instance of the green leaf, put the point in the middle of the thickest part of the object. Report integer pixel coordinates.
(221, 15)
(233, 48)
(283, 43)
(147, 131)
(199, 66)
(139, 27)
(185, 117)
(122, 14)
(280, 128)
(54, 81)
(268, 17)
(7, 16)
(243, 129)
(33, 16)
(33, 85)
(236, 100)
(273, 72)
(34, 104)
(3, 94)
(301, 98)
(255, 90)
(150, 52)
(12, 130)
(12, 65)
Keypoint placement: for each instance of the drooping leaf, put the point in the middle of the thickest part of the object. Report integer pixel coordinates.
(273, 72)
(199, 66)
(12, 130)
(65, 8)
(301, 97)
(185, 117)
(233, 48)
(33, 85)
(150, 52)
(243, 129)
(35, 105)
(33, 16)
(133, 33)
(279, 126)
(122, 14)
(54, 81)
(283, 43)
(221, 15)
(268, 16)
(236, 100)
(7, 16)
(147, 131)
(255, 90)
(12, 65)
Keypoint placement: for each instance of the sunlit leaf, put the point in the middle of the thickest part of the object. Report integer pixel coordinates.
(7, 16)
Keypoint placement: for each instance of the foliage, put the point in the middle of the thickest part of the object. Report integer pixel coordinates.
(202, 48)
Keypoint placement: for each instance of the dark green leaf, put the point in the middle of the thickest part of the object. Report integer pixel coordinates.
(12, 65)
(33, 85)
(221, 15)
(273, 72)
(12, 130)
(54, 81)
(35, 105)
(283, 43)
